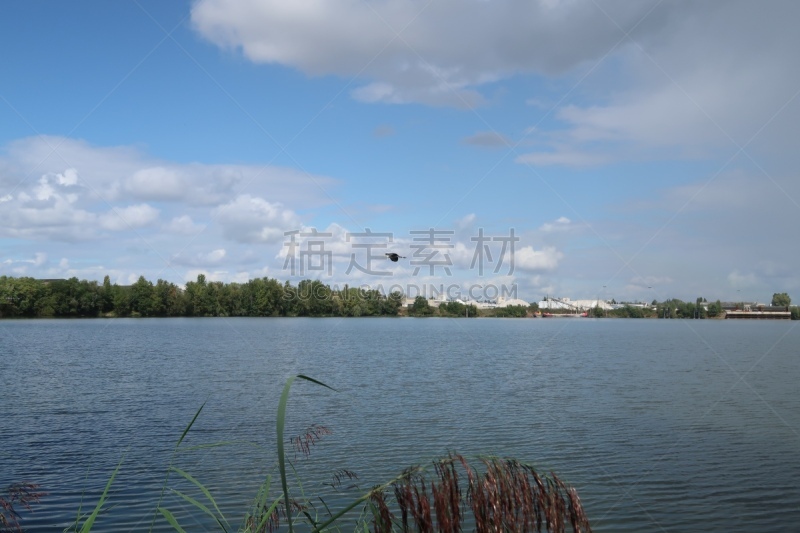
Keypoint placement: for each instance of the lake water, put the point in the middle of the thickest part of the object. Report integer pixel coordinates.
(661, 425)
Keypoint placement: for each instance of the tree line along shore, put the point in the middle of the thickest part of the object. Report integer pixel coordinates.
(26, 297)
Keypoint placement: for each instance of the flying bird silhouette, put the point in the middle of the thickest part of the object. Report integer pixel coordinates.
(394, 257)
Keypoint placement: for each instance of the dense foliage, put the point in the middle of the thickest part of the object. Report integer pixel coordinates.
(420, 307)
(781, 299)
(675, 308)
(28, 297)
(629, 311)
(457, 309)
(513, 311)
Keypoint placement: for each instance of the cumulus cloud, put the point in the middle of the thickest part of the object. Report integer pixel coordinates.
(57, 188)
(254, 220)
(417, 51)
(68, 178)
(122, 173)
(44, 211)
(547, 258)
(560, 224)
(183, 225)
(715, 80)
(130, 217)
(157, 183)
(201, 259)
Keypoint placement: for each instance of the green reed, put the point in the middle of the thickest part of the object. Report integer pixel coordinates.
(447, 495)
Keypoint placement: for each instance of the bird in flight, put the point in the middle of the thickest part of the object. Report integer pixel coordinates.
(394, 257)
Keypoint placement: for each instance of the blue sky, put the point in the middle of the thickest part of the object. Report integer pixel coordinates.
(639, 150)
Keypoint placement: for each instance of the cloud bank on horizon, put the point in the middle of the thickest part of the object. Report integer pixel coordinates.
(638, 150)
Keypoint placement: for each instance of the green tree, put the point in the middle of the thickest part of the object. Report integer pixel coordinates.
(781, 299)
(106, 295)
(314, 298)
(453, 309)
(74, 297)
(19, 296)
(121, 300)
(197, 297)
(393, 303)
(714, 309)
(628, 311)
(420, 307)
(142, 298)
(288, 300)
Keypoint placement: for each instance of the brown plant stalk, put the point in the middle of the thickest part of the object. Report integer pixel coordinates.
(505, 495)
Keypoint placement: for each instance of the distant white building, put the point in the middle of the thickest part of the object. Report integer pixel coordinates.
(502, 302)
(566, 304)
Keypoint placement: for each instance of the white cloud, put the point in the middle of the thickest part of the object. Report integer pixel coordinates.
(157, 183)
(215, 256)
(202, 259)
(466, 222)
(130, 217)
(526, 258)
(81, 192)
(560, 224)
(68, 178)
(183, 225)
(255, 220)
(414, 50)
(120, 173)
(48, 215)
(712, 79)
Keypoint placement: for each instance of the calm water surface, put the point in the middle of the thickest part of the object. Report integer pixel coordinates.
(662, 425)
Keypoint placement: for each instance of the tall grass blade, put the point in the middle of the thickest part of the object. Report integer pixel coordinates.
(185, 431)
(279, 427)
(205, 492)
(202, 507)
(87, 526)
(79, 516)
(166, 478)
(171, 519)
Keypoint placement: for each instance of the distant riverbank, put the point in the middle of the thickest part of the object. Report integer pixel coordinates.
(265, 297)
